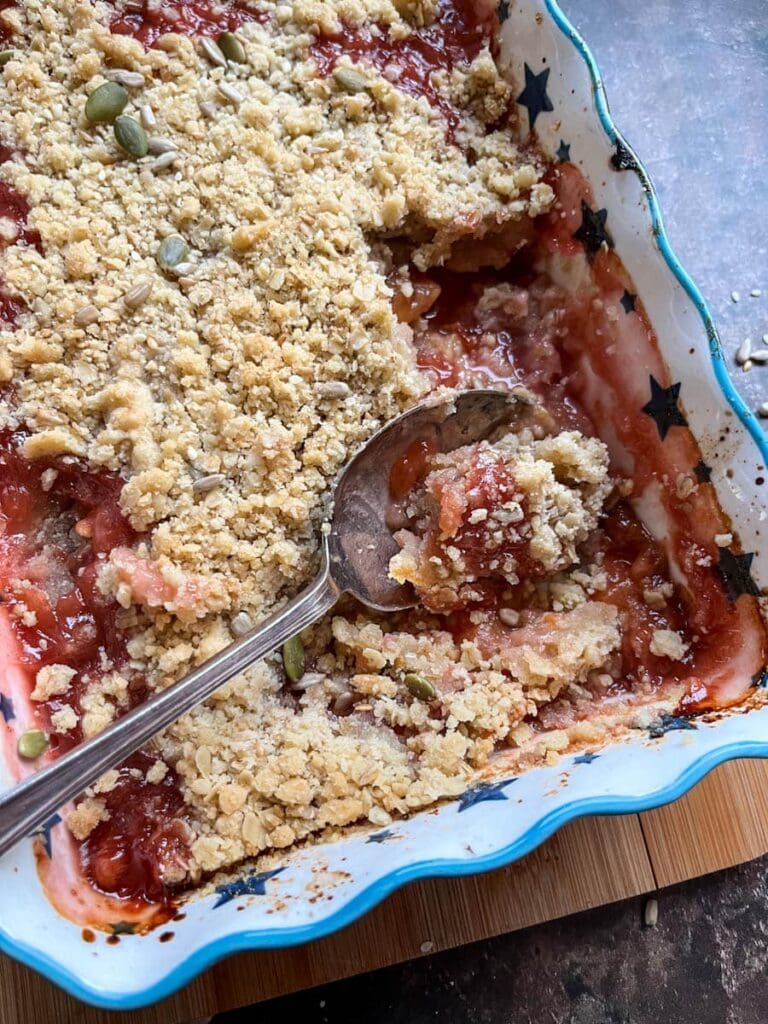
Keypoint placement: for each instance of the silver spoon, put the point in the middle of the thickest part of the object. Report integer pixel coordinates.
(356, 550)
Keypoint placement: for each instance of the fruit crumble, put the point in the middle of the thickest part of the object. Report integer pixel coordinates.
(236, 238)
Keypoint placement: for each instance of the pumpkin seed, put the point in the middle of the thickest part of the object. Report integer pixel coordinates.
(419, 687)
(232, 47)
(5, 56)
(173, 250)
(130, 79)
(212, 52)
(86, 315)
(138, 295)
(105, 103)
(208, 483)
(293, 658)
(350, 79)
(230, 93)
(158, 144)
(241, 624)
(32, 744)
(131, 137)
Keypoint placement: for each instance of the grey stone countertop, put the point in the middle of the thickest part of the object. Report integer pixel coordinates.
(687, 82)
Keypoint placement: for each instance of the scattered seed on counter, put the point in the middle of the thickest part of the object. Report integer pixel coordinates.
(651, 913)
(747, 366)
(744, 351)
(212, 52)
(759, 356)
(762, 410)
(755, 293)
(735, 296)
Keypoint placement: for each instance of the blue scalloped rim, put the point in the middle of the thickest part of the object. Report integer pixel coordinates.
(276, 938)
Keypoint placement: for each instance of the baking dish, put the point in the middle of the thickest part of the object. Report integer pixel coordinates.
(502, 819)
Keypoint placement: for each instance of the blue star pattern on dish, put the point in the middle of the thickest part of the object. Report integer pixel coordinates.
(628, 301)
(593, 233)
(6, 708)
(663, 408)
(503, 10)
(703, 472)
(253, 885)
(483, 791)
(563, 153)
(534, 96)
(668, 723)
(735, 573)
(587, 758)
(380, 837)
(44, 833)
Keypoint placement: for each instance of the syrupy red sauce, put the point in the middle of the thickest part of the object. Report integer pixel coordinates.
(59, 520)
(148, 21)
(410, 469)
(5, 31)
(454, 39)
(128, 854)
(544, 342)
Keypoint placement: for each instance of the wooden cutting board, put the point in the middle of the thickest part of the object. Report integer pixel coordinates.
(722, 822)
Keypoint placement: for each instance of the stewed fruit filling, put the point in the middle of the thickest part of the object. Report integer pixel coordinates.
(247, 236)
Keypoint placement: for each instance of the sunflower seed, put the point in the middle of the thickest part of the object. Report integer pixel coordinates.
(746, 367)
(509, 616)
(147, 115)
(755, 293)
(86, 315)
(293, 658)
(138, 295)
(232, 47)
(208, 483)
(105, 103)
(651, 913)
(173, 250)
(6, 55)
(160, 144)
(183, 269)
(333, 389)
(164, 160)
(762, 410)
(208, 109)
(130, 136)
(130, 79)
(308, 679)
(241, 624)
(350, 80)
(760, 356)
(419, 687)
(212, 51)
(735, 296)
(744, 350)
(230, 92)
(32, 744)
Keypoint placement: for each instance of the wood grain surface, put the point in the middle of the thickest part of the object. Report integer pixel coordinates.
(722, 822)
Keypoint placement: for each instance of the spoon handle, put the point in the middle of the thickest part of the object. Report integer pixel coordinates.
(28, 805)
